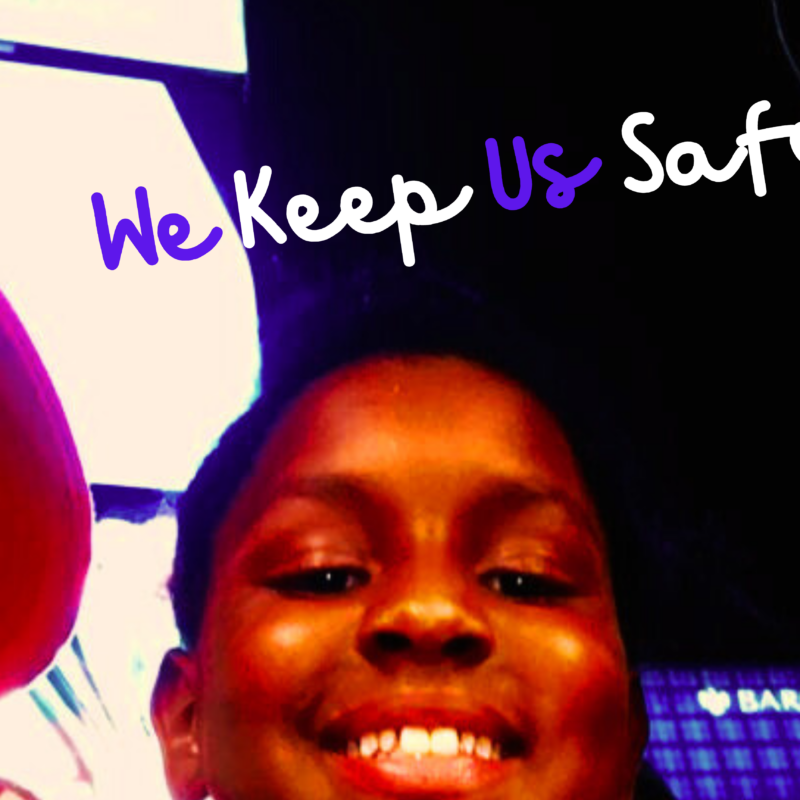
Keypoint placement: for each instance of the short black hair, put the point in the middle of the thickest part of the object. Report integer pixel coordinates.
(335, 322)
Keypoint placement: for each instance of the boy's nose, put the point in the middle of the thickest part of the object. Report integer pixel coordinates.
(425, 623)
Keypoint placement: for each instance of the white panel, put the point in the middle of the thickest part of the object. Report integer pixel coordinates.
(195, 33)
(151, 362)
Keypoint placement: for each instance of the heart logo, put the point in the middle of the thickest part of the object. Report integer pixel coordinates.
(716, 702)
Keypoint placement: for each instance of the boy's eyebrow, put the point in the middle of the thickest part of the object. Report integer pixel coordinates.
(344, 492)
(502, 498)
(352, 493)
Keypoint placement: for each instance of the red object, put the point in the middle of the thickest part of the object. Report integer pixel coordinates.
(45, 512)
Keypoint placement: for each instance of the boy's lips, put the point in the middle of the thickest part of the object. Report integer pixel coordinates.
(421, 749)
(422, 777)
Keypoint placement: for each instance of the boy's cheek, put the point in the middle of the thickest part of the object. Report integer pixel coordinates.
(577, 671)
(264, 666)
(267, 647)
(580, 695)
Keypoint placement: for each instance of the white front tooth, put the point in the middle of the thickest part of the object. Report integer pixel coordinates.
(467, 743)
(387, 741)
(444, 742)
(483, 747)
(369, 745)
(415, 741)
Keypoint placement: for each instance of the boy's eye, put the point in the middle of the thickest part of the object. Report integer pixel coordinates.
(526, 587)
(322, 581)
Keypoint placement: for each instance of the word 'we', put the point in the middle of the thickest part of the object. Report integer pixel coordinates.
(144, 240)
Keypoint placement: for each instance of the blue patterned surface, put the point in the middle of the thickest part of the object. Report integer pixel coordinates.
(729, 734)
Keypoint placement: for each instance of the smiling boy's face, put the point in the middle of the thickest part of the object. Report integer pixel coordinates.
(410, 599)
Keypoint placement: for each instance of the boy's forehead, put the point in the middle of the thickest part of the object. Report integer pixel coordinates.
(390, 415)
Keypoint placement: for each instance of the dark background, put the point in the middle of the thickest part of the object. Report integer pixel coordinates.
(684, 298)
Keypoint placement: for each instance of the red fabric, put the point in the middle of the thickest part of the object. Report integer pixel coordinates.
(45, 513)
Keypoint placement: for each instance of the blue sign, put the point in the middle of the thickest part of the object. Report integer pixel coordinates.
(726, 734)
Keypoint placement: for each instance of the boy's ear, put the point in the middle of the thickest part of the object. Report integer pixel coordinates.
(174, 715)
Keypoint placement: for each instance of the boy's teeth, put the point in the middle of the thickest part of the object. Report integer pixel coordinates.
(415, 741)
(483, 747)
(420, 742)
(369, 745)
(467, 744)
(444, 742)
(387, 741)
